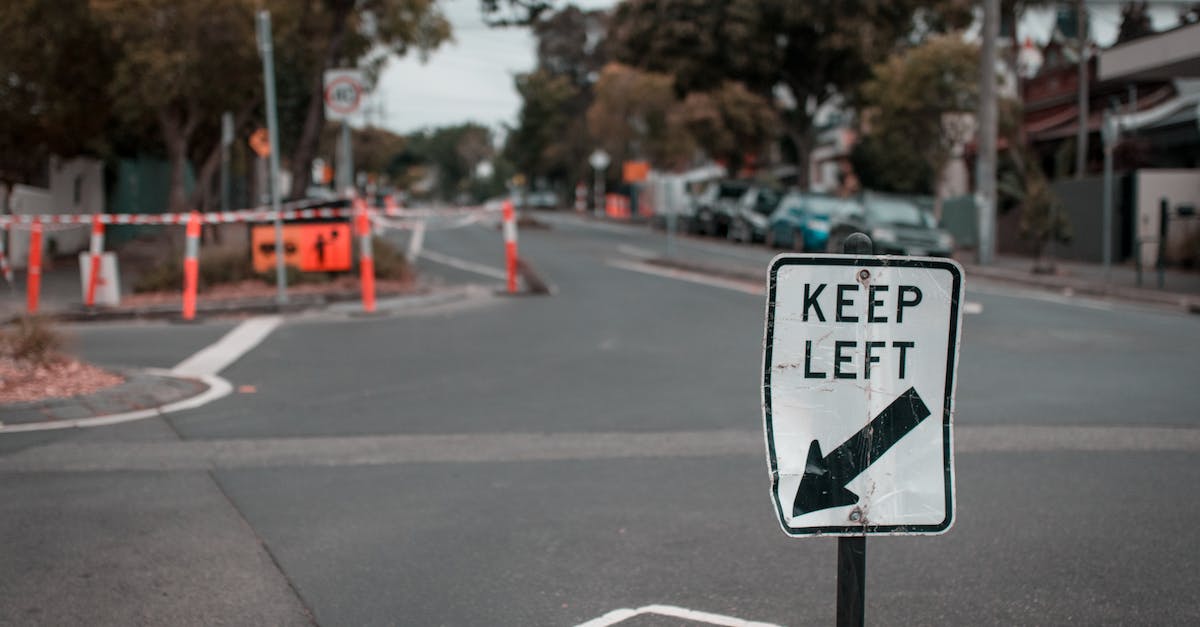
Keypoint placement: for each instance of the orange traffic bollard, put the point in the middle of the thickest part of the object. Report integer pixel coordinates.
(33, 276)
(366, 262)
(191, 266)
(510, 246)
(97, 249)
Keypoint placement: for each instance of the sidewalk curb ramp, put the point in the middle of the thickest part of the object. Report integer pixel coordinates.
(145, 393)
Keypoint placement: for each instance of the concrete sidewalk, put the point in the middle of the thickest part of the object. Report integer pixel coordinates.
(1181, 288)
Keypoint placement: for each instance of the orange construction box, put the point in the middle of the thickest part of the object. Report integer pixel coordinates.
(635, 171)
(312, 247)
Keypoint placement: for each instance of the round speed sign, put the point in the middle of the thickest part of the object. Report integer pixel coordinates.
(343, 95)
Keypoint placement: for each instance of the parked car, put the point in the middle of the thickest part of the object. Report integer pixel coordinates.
(896, 225)
(801, 220)
(716, 206)
(751, 212)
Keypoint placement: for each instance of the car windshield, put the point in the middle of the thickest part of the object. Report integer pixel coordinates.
(766, 201)
(731, 190)
(825, 206)
(898, 212)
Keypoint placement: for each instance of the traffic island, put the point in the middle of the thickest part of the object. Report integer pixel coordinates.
(140, 394)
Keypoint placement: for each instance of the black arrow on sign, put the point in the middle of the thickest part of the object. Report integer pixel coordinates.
(824, 482)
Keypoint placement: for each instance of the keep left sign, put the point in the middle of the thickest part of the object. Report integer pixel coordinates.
(858, 393)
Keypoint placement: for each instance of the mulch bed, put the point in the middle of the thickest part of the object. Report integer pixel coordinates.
(58, 378)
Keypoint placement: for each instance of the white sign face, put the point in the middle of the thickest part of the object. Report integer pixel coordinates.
(599, 159)
(858, 391)
(344, 90)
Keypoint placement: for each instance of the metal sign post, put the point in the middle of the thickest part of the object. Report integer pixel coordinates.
(859, 359)
(343, 96)
(265, 47)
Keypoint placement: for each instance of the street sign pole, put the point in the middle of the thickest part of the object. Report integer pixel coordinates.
(345, 174)
(226, 144)
(852, 552)
(265, 48)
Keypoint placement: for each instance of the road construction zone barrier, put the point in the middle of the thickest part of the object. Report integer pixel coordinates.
(616, 206)
(510, 246)
(362, 217)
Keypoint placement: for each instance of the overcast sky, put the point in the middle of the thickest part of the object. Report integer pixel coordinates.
(471, 79)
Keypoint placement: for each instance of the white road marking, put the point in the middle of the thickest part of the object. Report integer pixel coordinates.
(228, 349)
(463, 264)
(204, 365)
(617, 616)
(973, 308)
(635, 251)
(217, 388)
(691, 277)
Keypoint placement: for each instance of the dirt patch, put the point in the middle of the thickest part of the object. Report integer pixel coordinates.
(24, 382)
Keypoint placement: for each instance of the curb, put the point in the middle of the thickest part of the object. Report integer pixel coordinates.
(215, 388)
(295, 304)
(1183, 302)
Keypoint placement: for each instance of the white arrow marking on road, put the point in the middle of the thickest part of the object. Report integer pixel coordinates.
(621, 615)
(462, 264)
(228, 349)
(691, 277)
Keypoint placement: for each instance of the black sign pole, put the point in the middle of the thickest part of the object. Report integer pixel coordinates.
(851, 580)
(852, 551)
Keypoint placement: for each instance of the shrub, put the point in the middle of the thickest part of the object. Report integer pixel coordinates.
(32, 340)
(389, 261)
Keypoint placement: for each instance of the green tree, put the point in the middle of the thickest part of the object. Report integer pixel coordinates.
(181, 63)
(1023, 184)
(550, 141)
(52, 95)
(315, 35)
(811, 51)
(453, 153)
(921, 101)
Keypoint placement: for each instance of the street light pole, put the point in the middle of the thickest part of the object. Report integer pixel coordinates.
(265, 48)
(985, 163)
(1081, 141)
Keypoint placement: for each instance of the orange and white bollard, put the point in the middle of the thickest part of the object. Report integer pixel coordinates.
(97, 249)
(390, 206)
(366, 260)
(191, 266)
(33, 276)
(510, 245)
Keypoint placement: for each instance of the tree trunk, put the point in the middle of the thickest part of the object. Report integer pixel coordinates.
(175, 136)
(314, 119)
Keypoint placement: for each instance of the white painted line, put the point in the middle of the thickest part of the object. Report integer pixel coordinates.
(635, 251)
(617, 616)
(463, 264)
(228, 349)
(691, 277)
(217, 388)
(973, 308)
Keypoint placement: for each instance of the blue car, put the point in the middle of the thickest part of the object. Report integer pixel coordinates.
(801, 220)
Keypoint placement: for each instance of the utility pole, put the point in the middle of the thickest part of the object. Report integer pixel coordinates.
(266, 50)
(985, 162)
(1081, 141)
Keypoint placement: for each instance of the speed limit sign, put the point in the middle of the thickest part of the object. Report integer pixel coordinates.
(343, 94)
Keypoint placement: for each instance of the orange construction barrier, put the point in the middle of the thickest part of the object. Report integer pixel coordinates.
(33, 276)
(97, 249)
(191, 266)
(366, 263)
(510, 245)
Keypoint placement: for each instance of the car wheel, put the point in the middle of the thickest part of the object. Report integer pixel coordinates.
(736, 232)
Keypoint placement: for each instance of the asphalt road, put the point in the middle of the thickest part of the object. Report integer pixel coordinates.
(547, 460)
